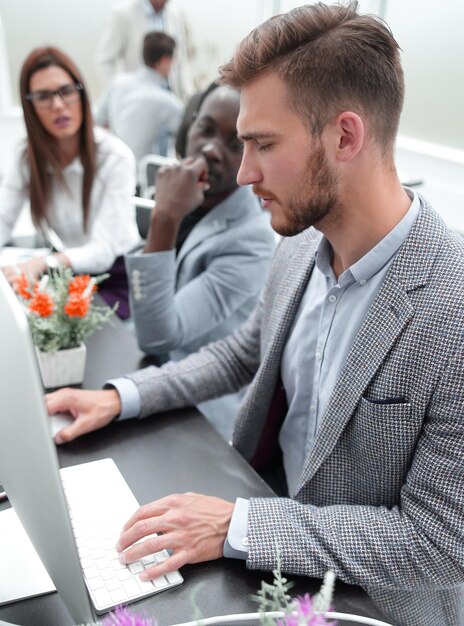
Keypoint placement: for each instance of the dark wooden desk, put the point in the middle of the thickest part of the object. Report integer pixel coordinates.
(171, 453)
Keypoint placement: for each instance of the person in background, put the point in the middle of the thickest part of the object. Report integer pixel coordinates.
(120, 45)
(354, 353)
(191, 110)
(208, 249)
(77, 178)
(138, 107)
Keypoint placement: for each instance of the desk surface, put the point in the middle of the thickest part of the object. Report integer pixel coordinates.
(171, 453)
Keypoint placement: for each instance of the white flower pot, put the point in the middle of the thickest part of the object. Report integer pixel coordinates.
(61, 368)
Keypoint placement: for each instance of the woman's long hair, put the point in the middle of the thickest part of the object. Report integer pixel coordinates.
(41, 149)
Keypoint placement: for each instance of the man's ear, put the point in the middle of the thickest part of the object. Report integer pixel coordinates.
(349, 134)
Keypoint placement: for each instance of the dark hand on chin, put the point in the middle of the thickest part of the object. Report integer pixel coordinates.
(179, 190)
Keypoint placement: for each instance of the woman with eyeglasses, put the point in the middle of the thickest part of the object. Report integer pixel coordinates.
(78, 178)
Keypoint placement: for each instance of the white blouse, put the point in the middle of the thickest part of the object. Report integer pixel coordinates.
(112, 228)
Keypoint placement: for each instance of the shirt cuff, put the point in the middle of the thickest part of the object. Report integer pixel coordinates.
(131, 404)
(236, 543)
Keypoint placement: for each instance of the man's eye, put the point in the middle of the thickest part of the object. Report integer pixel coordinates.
(206, 131)
(262, 147)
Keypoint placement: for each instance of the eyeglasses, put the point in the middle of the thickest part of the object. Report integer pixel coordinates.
(44, 99)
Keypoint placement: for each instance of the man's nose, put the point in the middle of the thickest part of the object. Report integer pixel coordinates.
(248, 173)
(211, 151)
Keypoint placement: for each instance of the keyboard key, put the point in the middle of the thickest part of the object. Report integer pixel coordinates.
(107, 573)
(115, 564)
(135, 567)
(102, 598)
(118, 596)
(147, 560)
(90, 572)
(102, 564)
(131, 588)
(174, 577)
(98, 553)
(86, 562)
(145, 585)
(124, 574)
(160, 582)
(112, 584)
(161, 556)
(95, 583)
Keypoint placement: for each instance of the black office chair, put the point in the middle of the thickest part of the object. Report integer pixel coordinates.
(147, 169)
(143, 209)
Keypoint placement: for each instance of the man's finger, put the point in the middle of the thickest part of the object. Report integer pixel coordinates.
(151, 545)
(79, 427)
(152, 509)
(172, 563)
(199, 165)
(59, 401)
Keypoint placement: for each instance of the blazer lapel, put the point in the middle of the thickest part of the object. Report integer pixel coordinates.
(391, 311)
(287, 293)
(387, 317)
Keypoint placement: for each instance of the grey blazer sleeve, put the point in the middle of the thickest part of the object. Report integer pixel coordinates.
(222, 367)
(226, 276)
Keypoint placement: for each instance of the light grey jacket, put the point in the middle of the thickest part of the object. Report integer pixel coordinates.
(120, 46)
(180, 304)
(381, 497)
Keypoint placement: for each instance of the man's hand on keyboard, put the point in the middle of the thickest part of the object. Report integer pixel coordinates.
(91, 410)
(194, 527)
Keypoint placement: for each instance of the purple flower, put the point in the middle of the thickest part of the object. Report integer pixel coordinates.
(304, 605)
(304, 614)
(122, 616)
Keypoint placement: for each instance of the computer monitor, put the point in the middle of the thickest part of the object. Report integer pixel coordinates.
(29, 466)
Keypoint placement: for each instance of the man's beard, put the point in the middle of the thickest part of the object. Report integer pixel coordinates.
(313, 200)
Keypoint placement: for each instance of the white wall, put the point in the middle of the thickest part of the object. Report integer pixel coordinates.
(432, 39)
(430, 36)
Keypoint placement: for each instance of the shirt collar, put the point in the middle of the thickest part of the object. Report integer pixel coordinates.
(76, 166)
(149, 10)
(149, 74)
(378, 256)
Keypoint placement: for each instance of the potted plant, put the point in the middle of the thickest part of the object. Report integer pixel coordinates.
(61, 315)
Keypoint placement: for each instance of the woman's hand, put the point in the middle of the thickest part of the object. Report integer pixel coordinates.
(33, 268)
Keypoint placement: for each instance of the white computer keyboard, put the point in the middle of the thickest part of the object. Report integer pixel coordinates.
(99, 503)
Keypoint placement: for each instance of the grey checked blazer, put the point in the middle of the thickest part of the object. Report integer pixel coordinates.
(381, 497)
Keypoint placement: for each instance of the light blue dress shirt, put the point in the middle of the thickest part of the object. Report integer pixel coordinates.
(154, 18)
(329, 317)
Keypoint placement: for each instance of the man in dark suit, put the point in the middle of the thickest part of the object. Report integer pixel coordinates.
(354, 352)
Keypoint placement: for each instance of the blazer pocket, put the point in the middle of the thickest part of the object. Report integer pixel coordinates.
(394, 400)
(385, 435)
(394, 407)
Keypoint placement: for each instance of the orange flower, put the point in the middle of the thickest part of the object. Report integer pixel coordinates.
(22, 287)
(77, 305)
(79, 284)
(42, 304)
